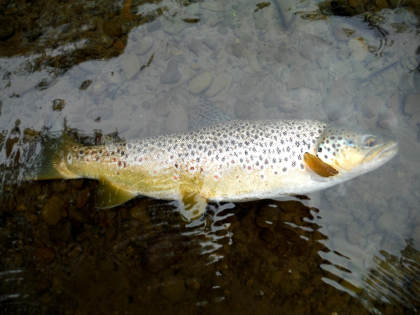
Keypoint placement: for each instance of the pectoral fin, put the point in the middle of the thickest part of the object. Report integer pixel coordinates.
(192, 206)
(109, 195)
(318, 166)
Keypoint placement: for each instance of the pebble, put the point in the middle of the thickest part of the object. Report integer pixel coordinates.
(130, 65)
(200, 82)
(173, 289)
(171, 74)
(52, 210)
(221, 82)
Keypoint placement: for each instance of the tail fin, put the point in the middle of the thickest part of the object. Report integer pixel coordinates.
(51, 163)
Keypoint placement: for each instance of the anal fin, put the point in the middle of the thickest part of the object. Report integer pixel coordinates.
(192, 206)
(109, 195)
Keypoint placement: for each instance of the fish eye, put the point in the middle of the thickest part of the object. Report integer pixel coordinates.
(370, 141)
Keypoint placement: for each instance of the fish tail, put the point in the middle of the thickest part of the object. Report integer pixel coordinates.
(50, 163)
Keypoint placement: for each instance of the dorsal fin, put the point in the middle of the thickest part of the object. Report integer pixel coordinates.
(318, 166)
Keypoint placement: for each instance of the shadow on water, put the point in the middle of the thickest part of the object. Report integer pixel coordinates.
(59, 254)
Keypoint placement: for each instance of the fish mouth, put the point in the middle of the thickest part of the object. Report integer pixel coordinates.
(383, 153)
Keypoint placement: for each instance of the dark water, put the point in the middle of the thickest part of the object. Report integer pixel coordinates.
(124, 70)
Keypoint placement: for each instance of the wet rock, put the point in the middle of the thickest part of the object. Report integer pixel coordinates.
(53, 210)
(171, 74)
(221, 82)
(173, 289)
(130, 65)
(200, 82)
(85, 84)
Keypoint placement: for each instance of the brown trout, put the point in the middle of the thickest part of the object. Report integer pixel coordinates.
(231, 161)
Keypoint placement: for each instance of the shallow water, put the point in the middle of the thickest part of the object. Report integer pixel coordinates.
(137, 69)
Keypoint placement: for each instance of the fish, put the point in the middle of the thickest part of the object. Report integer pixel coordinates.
(232, 161)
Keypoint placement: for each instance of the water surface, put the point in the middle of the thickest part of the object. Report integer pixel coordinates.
(128, 70)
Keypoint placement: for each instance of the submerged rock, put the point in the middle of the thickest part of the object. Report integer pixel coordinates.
(52, 210)
(171, 74)
(200, 82)
(173, 289)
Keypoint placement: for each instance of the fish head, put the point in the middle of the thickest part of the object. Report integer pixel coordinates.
(354, 153)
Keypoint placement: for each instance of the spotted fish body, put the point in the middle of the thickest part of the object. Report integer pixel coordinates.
(233, 161)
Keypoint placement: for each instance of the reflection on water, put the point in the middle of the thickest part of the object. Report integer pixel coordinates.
(251, 257)
(350, 249)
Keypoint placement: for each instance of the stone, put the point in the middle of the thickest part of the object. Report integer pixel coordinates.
(200, 82)
(52, 210)
(173, 289)
(171, 74)
(130, 65)
(221, 82)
